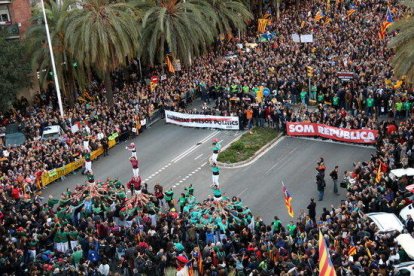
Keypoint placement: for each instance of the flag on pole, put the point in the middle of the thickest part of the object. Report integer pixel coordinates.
(352, 250)
(261, 25)
(379, 174)
(385, 24)
(288, 200)
(326, 267)
(170, 66)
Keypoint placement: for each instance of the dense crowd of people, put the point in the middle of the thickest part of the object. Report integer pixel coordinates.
(97, 229)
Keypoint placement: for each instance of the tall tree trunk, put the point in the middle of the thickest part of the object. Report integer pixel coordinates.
(71, 92)
(108, 88)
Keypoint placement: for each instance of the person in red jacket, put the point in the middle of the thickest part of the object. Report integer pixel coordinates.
(134, 164)
(15, 193)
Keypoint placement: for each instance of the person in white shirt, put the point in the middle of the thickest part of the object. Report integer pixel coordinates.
(103, 268)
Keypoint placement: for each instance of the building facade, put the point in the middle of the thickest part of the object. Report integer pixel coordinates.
(15, 17)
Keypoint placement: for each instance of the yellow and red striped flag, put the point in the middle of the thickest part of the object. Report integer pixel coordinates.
(170, 66)
(378, 176)
(326, 267)
(350, 12)
(261, 25)
(288, 200)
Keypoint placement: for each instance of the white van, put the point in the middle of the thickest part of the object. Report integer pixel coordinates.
(52, 132)
(407, 210)
(404, 269)
(386, 222)
(406, 241)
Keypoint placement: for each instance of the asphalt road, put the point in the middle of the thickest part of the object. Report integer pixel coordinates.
(175, 157)
(163, 149)
(291, 160)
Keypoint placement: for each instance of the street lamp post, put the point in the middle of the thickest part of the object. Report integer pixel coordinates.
(52, 58)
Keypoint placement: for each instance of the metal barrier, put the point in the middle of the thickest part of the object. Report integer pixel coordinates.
(155, 117)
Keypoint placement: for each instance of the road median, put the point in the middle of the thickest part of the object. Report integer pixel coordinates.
(244, 149)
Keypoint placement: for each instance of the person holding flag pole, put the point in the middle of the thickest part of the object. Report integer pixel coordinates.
(288, 200)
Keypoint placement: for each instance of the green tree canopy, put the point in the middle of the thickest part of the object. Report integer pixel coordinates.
(231, 15)
(14, 70)
(184, 28)
(102, 35)
(403, 43)
(39, 49)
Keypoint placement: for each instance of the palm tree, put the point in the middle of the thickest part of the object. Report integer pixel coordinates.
(403, 43)
(231, 14)
(184, 28)
(38, 49)
(103, 35)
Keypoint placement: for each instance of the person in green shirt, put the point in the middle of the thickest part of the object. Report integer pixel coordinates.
(61, 240)
(313, 93)
(321, 98)
(77, 256)
(189, 190)
(398, 108)
(182, 201)
(168, 196)
(245, 89)
(291, 227)
(216, 192)
(303, 97)
(216, 173)
(276, 225)
(370, 105)
(407, 107)
(335, 101)
(52, 201)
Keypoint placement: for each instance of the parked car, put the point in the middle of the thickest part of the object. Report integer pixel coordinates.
(407, 210)
(386, 222)
(52, 132)
(404, 269)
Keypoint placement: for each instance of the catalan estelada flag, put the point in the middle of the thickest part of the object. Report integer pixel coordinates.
(352, 250)
(170, 66)
(261, 25)
(378, 176)
(288, 201)
(385, 24)
(326, 267)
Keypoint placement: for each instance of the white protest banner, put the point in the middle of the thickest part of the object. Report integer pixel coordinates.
(308, 38)
(203, 121)
(295, 38)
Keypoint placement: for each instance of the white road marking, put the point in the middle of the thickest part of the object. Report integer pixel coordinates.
(191, 149)
(198, 156)
(283, 158)
(242, 192)
(174, 186)
(205, 163)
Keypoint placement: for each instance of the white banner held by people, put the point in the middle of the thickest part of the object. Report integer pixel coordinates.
(203, 121)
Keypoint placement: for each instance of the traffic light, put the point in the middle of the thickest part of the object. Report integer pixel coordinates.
(309, 71)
